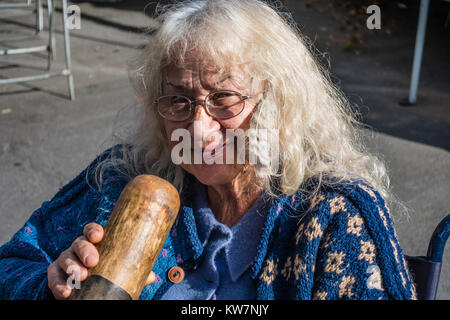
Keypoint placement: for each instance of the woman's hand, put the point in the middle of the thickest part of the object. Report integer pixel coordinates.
(76, 260)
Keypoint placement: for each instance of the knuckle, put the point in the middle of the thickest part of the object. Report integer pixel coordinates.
(69, 265)
(63, 259)
(84, 249)
(64, 254)
(51, 268)
(90, 227)
(75, 244)
(79, 240)
(52, 281)
(79, 244)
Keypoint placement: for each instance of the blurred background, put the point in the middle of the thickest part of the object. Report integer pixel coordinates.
(46, 139)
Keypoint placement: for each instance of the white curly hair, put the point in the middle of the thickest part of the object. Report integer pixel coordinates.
(319, 135)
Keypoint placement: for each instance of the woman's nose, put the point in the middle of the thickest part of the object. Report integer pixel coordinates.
(200, 110)
(203, 125)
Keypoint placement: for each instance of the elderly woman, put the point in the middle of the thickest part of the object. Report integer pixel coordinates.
(298, 214)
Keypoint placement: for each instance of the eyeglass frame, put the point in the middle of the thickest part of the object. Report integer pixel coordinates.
(192, 104)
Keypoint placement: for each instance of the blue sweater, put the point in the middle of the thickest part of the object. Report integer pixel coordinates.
(224, 269)
(345, 247)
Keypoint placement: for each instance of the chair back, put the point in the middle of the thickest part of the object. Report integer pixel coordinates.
(426, 270)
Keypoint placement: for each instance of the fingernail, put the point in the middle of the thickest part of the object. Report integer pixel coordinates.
(88, 260)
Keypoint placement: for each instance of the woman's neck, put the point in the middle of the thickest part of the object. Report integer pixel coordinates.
(231, 201)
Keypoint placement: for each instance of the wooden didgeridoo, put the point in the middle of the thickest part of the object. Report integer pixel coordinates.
(134, 236)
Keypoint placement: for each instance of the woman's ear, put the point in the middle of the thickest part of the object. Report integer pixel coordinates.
(258, 88)
(260, 91)
(263, 88)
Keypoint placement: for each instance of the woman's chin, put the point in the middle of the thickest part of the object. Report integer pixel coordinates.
(213, 174)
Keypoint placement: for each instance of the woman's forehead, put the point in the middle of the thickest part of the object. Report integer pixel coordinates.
(184, 75)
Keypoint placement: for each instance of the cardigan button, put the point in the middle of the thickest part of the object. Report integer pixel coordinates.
(175, 274)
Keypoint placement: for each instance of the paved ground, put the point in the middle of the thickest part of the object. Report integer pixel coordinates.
(45, 139)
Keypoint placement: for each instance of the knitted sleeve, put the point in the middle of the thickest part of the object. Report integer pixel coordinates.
(50, 230)
(359, 256)
(24, 261)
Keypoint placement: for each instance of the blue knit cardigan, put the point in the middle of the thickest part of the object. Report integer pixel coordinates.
(345, 247)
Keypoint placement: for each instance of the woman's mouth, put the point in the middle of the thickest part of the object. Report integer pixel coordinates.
(210, 151)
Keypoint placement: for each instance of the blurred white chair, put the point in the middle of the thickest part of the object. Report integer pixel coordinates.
(28, 4)
(49, 47)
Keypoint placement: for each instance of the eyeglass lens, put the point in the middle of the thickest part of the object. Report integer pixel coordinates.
(221, 105)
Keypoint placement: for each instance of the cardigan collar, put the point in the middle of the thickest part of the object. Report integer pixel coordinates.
(240, 241)
(186, 238)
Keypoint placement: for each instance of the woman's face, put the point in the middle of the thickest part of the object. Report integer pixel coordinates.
(196, 84)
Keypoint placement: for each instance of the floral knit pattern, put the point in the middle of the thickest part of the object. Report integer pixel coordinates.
(345, 247)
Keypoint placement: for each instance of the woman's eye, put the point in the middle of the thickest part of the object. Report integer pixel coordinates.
(178, 101)
(225, 99)
(222, 95)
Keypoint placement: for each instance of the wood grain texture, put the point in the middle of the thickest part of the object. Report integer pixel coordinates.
(136, 232)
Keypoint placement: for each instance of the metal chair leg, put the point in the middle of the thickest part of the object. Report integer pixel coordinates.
(39, 16)
(67, 50)
(51, 14)
(51, 36)
(418, 50)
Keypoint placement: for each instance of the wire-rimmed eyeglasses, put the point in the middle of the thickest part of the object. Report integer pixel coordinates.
(223, 104)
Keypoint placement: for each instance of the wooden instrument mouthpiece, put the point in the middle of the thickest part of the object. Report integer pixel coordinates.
(134, 236)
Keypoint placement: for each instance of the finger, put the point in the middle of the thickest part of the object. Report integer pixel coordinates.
(71, 265)
(93, 232)
(151, 278)
(85, 251)
(57, 282)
